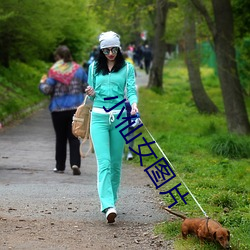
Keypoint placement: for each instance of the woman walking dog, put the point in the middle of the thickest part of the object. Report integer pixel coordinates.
(109, 78)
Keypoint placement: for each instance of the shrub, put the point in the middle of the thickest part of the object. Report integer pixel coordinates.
(231, 146)
(224, 200)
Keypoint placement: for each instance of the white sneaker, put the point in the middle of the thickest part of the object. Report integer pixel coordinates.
(111, 214)
(58, 171)
(129, 156)
(76, 170)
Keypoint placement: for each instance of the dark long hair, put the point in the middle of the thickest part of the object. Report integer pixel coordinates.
(64, 53)
(102, 67)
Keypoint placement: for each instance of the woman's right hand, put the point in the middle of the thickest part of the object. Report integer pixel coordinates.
(134, 109)
(90, 91)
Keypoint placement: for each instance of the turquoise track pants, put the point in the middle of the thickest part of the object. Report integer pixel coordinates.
(108, 145)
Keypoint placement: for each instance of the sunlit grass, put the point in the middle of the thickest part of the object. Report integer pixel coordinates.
(19, 87)
(197, 147)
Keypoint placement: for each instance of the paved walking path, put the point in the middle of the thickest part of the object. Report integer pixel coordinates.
(40, 209)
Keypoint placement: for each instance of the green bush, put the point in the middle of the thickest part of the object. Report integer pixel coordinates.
(19, 87)
(231, 146)
(223, 200)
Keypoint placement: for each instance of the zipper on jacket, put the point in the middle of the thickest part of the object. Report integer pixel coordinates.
(109, 90)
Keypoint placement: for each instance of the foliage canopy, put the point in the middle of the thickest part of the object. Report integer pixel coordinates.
(28, 33)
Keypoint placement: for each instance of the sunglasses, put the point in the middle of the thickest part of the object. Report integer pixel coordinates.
(106, 51)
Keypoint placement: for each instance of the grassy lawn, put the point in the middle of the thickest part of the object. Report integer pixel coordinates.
(19, 88)
(214, 164)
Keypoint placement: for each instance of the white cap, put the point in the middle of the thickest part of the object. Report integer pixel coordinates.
(109, 39)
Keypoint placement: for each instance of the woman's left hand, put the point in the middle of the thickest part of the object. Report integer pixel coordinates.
(90, 91)
(134, 109)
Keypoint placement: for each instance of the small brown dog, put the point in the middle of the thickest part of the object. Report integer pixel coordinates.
(204, 229)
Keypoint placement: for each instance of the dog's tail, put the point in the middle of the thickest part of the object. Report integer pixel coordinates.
(175, 213)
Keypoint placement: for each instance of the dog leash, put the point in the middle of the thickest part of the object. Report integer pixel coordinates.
(207, 224)
(198, 204)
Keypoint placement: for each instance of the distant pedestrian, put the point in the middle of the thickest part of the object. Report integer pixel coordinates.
(138, 56)
(108, 78)
(93, 55)
(147, 55)
(65, 84)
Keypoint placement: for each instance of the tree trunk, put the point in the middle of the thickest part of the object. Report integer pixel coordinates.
(201, 99)
(159, 47)
(235, 109)
(223, 38)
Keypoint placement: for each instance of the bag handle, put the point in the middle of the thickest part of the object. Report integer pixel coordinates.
(87, 137)
(85, 99)
(91, 148)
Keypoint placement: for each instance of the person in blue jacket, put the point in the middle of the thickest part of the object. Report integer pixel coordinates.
(65, 83)
(109, 77)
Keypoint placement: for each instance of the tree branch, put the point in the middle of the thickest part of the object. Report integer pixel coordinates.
(202, 9)
(172, 5)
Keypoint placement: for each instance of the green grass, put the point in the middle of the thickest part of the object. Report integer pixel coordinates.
(19, 88)
(214, 164)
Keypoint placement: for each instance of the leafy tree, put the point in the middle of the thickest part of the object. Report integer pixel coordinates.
(28, 33)
(201, 99)
(126, 17)
(181, 29)
(175, 24)
(221, 28)
(242, 34)
(156, 72)
(241, 18)
(23, 33)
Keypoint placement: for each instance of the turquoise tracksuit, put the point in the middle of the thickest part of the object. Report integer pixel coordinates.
(107, 140)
